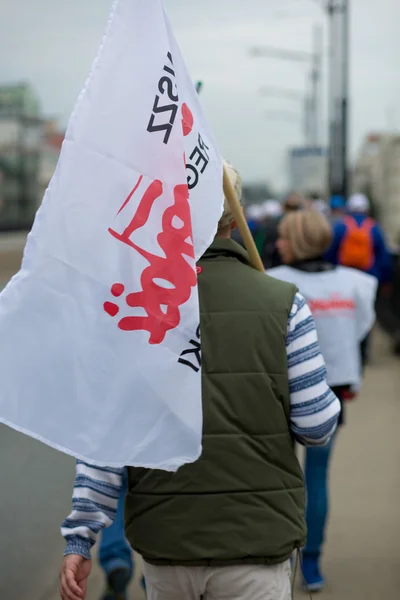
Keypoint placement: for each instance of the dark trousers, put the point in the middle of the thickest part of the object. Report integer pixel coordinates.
(364, 348)
(318, 459)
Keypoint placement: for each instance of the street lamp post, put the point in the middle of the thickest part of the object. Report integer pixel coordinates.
(298, 97)
(313, 102)
(315, 96)
(338, 14)
(345, 94)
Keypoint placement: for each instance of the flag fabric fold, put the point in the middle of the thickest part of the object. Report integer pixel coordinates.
(100, 353)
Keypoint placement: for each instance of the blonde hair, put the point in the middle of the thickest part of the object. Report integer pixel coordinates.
(227, 217)
(308, 232)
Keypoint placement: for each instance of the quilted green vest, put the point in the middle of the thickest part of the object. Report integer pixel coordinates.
(242, 502)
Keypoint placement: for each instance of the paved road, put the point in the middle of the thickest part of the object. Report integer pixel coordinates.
(35, 491)
(362, 559)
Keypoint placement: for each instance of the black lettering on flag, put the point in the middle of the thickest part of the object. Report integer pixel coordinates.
(203, 146)
(200, 158)
(168, 69)
(198, 162)
(167, 127)
(169, 90)
(166, 85)
(195, 349)
(192, 176)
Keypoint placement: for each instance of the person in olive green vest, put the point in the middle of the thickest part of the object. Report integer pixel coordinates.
(226, 526)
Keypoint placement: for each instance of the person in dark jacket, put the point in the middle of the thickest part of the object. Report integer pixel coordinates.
(272, 215)
(337, 204)
(274, 211)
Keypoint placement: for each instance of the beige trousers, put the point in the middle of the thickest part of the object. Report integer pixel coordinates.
(218, 583)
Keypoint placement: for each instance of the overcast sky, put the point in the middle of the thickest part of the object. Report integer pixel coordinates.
(51, 43)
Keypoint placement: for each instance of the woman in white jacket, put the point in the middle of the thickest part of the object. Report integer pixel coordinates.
(342, 301)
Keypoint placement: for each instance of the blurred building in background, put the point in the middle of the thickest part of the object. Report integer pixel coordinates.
(308, 170)
(377, 174)
(257, 192)
(29, 150)
(20, 143)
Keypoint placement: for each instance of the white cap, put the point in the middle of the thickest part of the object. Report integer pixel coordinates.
(271, 208)
(254, 212)
(358, 203)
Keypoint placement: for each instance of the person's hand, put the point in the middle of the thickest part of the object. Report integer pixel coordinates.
(349, 395)
(74, 573)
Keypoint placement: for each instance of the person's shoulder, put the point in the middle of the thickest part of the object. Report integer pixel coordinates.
(347, 272)
(278, 272)
(282, 274)
(275, 284)
(352, 272)
(356, 277)
(339, 228)
(375, 227)
(262, 291)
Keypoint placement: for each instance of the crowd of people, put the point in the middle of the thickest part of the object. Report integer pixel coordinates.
(281, 355)
(357, 239)
(348, 220)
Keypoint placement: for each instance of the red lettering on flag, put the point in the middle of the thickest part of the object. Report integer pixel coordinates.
(162, 304)
(187, 119)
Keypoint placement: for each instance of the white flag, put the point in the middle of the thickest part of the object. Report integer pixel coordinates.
(100, 349)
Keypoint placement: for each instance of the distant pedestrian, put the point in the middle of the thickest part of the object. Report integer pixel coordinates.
(337, 205)
(359, 242)
(293, 202)
(342, 303)
(253, 214)
(273, 212)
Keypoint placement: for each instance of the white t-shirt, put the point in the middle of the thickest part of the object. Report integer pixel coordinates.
(342, 302)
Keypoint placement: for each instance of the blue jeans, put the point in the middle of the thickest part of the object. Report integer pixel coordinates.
(115, 551)
(316, 476)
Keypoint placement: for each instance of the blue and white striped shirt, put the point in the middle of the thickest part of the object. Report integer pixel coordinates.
(313, 419)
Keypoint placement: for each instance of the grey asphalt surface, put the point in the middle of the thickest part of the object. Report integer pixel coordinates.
(35, 495)
(362, 558)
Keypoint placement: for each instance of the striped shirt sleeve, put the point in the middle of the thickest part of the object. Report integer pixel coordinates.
(314, 407)
(94, 506)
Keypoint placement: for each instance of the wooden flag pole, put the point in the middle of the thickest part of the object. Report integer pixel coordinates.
(234, 204)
